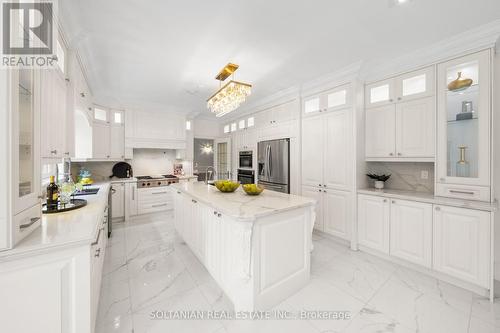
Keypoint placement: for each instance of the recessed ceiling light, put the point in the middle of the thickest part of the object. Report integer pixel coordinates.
(393, 3)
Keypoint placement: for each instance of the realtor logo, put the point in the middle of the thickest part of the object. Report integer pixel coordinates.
(28, 34)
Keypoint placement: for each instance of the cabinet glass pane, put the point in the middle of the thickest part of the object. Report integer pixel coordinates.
(462, 106)
(100, 114)
(379, 94)
(233, 127)
(337, 98)
(241, 124)
(226, 128)
(26, 161)
(118, 118)
(250, 122)
(311, 105)
(414, 85)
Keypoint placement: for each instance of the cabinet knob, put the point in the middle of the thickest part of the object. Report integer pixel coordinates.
(215, 213)
(393, 201)
(53, 152)
(391, 154)
(319, 190)
(193, 201)
(441, 179)
(399, 98)
(391, 100)
(399, 154)
(219, 214)
(385, 200)
(320, 185)
(437, 208)
(97, 253)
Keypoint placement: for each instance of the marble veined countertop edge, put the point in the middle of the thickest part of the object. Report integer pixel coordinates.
(431, 198)
(241, 206)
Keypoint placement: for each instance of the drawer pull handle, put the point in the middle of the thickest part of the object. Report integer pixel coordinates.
(30, 223)
(178, 192)
(165, 192)
(160, 205)
(438, 209)
(98, 236)
(193, 201)
(97, 253)
(462, 192)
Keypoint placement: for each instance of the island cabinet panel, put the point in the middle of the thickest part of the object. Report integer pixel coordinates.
(246, 253)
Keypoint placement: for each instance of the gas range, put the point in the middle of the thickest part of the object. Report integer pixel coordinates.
(155, 181)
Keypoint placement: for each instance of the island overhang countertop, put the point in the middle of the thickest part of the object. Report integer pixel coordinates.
(240, 205)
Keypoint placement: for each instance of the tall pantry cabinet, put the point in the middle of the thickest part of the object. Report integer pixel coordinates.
(327, 159)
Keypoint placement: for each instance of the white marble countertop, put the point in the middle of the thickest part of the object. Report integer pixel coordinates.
(115, 180)
(430, 198)
(187, 176)
(66, 229)
(240, 205)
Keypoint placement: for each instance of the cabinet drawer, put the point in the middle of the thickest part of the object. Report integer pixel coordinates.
(467, 192)
(26, 221)
(154, 195)
(146, 208)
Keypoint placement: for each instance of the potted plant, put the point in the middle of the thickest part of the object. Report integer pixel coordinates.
(379, 179)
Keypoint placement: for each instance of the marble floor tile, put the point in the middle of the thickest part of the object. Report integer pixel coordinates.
(149, 268)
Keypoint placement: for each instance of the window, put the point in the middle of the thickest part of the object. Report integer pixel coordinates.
(337, 98)
(250, 122)
(233, 127)
(226, 128)
(188, 125)
(379, 94)
(61, 56)
(100, 114)
(241, 125)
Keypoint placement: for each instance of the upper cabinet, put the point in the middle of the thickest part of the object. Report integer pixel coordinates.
(108, 134)
(400, 118)
(464, 113)
(330, 100)
(402, 88)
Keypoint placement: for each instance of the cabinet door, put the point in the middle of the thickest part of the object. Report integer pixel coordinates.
(179, 213)
(312, 151)
(118, 201)
(337, 150)
(379, 93)
(312, 105)
(411, 231)
(337, 213)
(462, 243)
(58, 133)
(380, 132)
(100, 140)
(25, 113)
(415, 84)
(316, 194)
(373, 222)
(117, 142)
(415, 128)
(131, 199)
(463, 127)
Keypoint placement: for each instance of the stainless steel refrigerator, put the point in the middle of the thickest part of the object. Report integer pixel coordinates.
(274, 165)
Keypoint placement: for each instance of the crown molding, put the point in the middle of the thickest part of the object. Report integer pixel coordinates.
(473, 40)
(331, 80)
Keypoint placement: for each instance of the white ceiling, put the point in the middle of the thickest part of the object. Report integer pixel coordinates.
(165, 54)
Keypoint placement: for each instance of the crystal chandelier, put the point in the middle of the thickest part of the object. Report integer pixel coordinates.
(231, 95)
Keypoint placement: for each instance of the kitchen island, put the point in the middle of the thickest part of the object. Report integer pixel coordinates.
(257, 248)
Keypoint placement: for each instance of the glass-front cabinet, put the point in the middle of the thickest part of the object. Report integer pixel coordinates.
(464, 113)
(26, 135)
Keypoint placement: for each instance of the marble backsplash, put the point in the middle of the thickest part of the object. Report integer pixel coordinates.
(145, 162)
(405, 175)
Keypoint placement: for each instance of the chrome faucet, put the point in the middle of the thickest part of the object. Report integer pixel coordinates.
(211, 173)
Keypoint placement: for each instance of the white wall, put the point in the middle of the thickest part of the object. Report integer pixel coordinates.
(205, 128)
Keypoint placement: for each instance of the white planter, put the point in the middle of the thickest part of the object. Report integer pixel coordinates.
(379, 184)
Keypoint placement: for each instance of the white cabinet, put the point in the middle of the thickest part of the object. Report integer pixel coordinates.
(53, 115)
(330, 100)
(131, 199)
(405, 87)
(411, 231)
(117, 201)
(154, 199)
(337, 213)
(415, 128)
(374, 222)
(462, 244)
(20, 206)
(380, 134)
(326, 150)
(399, 122)
(108, 134)
(463, 128)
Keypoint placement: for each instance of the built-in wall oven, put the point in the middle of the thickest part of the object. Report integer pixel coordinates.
(246, 176)
(246, 159)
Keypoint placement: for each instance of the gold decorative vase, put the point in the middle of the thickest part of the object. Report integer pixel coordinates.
(459, 83)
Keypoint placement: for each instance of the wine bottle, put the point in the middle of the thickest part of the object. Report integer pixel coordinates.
(52, 194)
